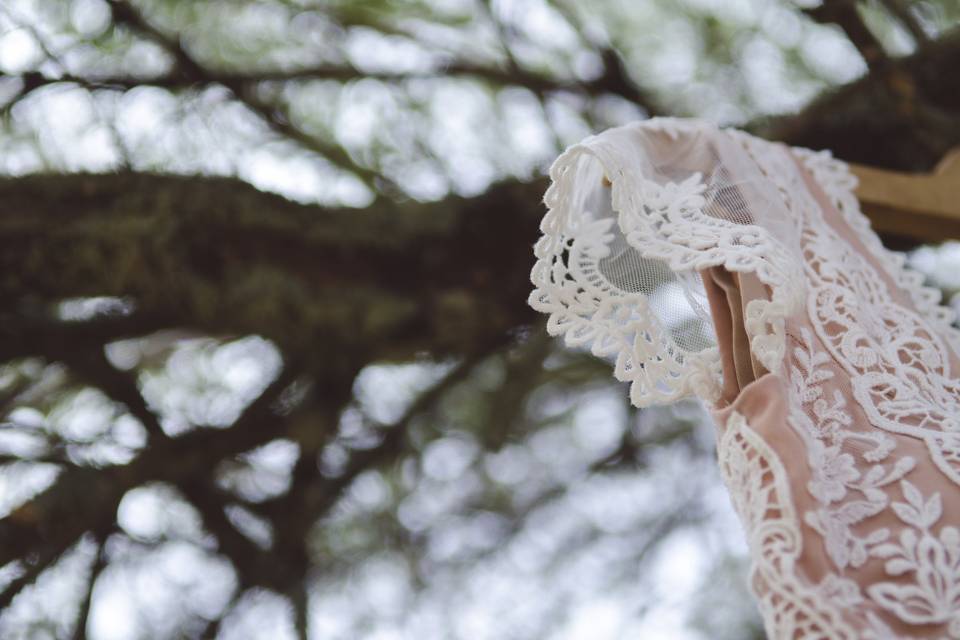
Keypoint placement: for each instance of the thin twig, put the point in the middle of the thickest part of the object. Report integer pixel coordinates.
(272, 115)
(899, 10)
(316, 497)
(92, 367)
(844, 14)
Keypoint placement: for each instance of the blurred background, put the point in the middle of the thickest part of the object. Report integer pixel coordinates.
(266, 364)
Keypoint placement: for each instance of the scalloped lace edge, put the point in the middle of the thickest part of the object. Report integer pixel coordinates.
(586, 311)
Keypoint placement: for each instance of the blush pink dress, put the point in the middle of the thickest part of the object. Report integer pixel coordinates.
(707, 262)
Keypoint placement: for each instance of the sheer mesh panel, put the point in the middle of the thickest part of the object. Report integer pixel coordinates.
(678, 300)
(725, 200)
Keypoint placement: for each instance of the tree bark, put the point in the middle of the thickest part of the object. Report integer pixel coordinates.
(219, 256)
(391, 281)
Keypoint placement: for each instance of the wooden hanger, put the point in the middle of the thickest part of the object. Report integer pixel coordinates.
(923, 207)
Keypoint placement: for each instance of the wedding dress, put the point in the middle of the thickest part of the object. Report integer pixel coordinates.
(707, 262)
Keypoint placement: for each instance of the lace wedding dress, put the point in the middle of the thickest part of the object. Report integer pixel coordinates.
(707, 262)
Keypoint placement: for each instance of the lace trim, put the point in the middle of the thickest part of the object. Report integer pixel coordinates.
(835, 178)
(900, 373)
(760, 490)
(663, 222)
(667, 222)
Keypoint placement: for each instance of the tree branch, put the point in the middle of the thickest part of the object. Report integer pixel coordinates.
(450, 276)
(315, 495)
(612, 81)
(192, 71)
(844, 14)
(93, 368)
(883, 119)
(255, 567)
(901, 11)
(83, 499)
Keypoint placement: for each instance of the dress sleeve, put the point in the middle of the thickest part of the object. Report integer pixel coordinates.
(637, 217)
